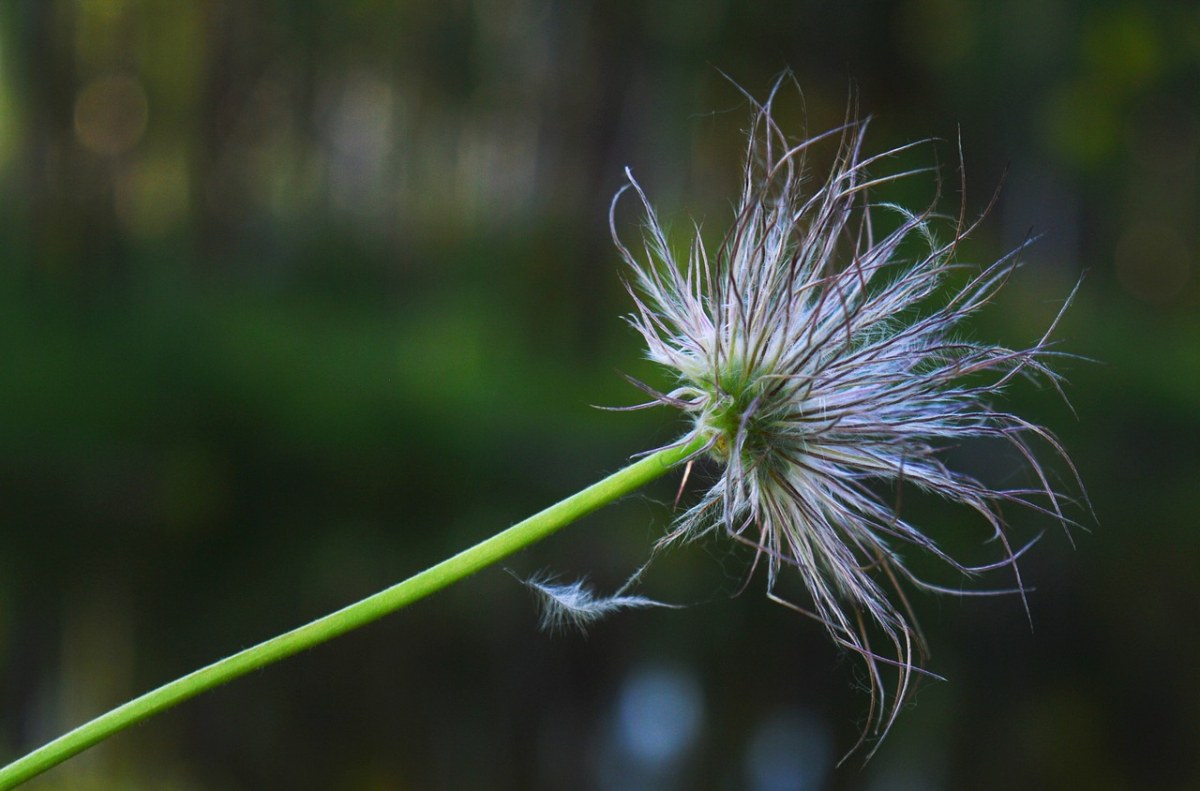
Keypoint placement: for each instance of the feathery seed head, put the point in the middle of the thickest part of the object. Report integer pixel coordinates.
(810, 354)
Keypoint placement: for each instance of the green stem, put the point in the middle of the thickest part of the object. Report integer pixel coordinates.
(348, 618)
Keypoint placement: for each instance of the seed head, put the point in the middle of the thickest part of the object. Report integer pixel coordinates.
(824, 365)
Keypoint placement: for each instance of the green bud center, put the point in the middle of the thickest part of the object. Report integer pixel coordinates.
(734, 400)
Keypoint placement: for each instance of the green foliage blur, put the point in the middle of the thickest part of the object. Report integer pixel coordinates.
(297, 299)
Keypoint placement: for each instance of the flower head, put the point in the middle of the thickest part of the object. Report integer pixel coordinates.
(813, 357)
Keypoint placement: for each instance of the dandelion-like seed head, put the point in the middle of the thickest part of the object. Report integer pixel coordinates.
(813, 358)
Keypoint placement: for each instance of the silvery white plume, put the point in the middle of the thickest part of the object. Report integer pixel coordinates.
(823, 364)
(567, 605)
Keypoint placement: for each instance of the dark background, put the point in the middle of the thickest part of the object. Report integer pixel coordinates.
(296, 302)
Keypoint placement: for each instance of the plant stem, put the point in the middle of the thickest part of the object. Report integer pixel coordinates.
(348, 618)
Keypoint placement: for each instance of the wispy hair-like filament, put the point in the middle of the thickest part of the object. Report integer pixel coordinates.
(574, 605)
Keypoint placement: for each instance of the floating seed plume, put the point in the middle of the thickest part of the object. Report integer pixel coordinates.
(574, 605)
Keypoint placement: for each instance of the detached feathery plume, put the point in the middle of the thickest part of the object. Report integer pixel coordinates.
(574, 605)
(814, 359)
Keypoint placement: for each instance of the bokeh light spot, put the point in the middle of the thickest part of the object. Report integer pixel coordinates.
(111, 114)
(659, 714)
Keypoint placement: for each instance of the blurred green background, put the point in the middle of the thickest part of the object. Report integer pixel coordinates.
(295, 301)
